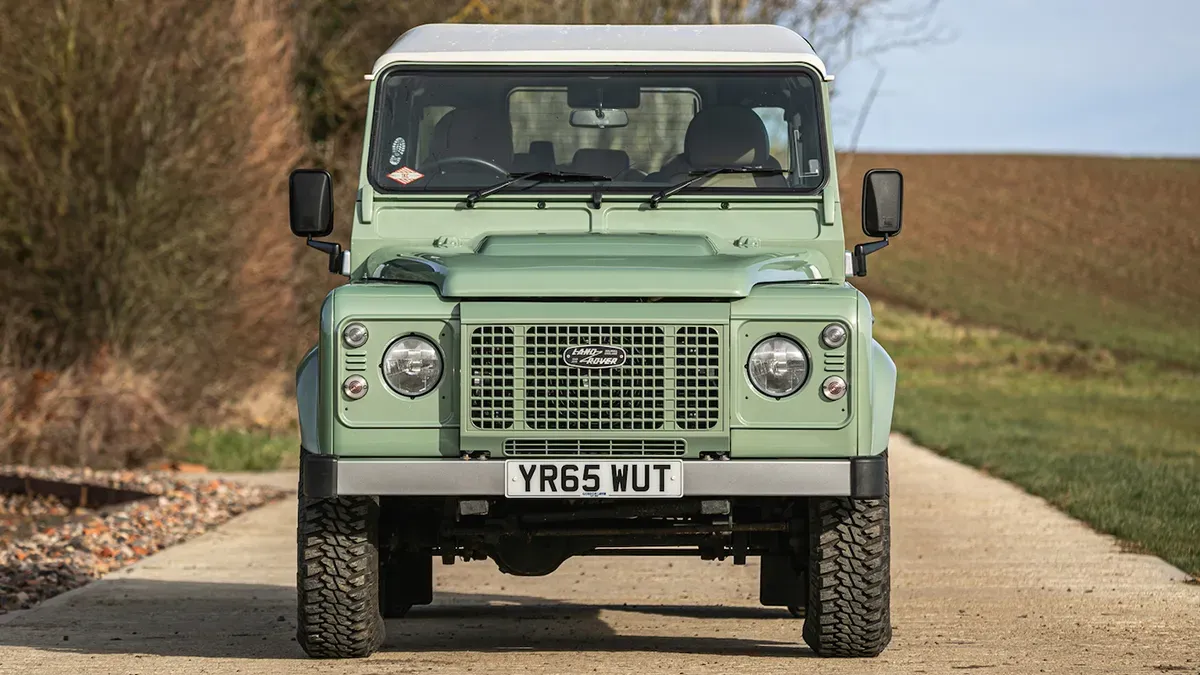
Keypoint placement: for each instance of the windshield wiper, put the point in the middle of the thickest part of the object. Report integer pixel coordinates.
(701, 174)
(538, 176)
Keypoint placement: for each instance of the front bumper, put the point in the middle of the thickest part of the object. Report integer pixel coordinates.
(329, 476)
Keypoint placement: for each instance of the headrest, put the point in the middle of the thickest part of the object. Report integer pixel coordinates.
(600, 161)
(542, 151)
(725, 135)
(469, 132)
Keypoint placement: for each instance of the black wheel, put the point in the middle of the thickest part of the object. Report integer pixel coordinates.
(337, 581)
(405, 580)
(849, 577)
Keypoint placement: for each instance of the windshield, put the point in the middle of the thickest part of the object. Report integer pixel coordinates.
(450, 131)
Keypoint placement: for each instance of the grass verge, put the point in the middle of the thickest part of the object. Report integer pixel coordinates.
(235, 450)
(1113, 443)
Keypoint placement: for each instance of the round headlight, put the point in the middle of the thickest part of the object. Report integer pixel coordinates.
(412, 366)
(833, 388)
(355, 335)
(778, 366)
(355, 387)
(834, 335)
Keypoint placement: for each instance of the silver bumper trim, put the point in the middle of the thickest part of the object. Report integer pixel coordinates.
(732, 478)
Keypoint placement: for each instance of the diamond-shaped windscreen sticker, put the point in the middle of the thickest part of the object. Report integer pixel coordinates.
(405, 175)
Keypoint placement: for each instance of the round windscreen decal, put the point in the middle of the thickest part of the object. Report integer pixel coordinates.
(595, 356)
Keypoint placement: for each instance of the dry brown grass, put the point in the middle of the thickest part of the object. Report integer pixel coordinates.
(106, 414)
(109, 414)
(1092, 251)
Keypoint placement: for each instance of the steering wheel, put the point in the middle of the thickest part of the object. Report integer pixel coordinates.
(474, 161)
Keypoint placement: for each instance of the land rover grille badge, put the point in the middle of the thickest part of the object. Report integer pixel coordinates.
(594, 356)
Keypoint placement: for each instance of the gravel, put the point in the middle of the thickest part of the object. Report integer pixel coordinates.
(48, 546)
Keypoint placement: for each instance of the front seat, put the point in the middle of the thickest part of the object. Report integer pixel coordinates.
(472, 132)
(600, 161)
(539, 158)
(723, 136)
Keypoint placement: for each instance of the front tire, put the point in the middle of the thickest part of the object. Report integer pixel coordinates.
(849, 588)
(337, 580)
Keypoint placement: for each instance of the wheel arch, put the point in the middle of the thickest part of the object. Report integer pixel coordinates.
(308, 401)
(878, 371)
(883, 396)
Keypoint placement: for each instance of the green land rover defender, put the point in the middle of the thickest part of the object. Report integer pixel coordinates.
(597, 304)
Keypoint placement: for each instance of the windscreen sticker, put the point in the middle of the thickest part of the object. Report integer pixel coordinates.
(398, 147)
(405, 175)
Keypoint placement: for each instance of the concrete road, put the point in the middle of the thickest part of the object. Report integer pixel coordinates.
(985, 578)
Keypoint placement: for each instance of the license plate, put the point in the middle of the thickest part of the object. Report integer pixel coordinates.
(594, 478)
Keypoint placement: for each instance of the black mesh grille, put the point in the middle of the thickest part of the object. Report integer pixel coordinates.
(559, 397)
(671, 379)
(594, 447)
(697, 377)
(493, 389)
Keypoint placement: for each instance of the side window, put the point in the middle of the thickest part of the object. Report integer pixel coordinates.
(777, 131)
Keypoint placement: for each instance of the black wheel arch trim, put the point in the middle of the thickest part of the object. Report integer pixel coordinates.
(868, 476)
(318, 475)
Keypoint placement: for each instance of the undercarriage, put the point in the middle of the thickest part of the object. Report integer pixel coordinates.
(534, 537)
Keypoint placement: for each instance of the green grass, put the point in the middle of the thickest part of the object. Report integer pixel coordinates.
(234, 450)
(1113, 443)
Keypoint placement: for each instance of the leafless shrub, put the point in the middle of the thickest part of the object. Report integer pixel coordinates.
(143, 259)
(144, 154)
(265, 283)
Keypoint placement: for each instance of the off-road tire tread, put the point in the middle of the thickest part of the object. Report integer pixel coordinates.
(337, 580)
(849, 588)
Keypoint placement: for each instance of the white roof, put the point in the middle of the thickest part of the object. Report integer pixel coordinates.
(493, 43)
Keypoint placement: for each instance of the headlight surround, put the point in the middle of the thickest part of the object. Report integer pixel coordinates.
(778, 366)
(412, 366)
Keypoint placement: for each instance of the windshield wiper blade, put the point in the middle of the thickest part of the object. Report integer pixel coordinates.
(701, 174)
(538, 176)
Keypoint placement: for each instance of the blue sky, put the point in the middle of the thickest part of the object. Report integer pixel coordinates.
(1116, 77)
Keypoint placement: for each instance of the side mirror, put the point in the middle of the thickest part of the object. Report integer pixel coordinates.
(882, 203)
(310, 210)
(883, 197)
(310, 202)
